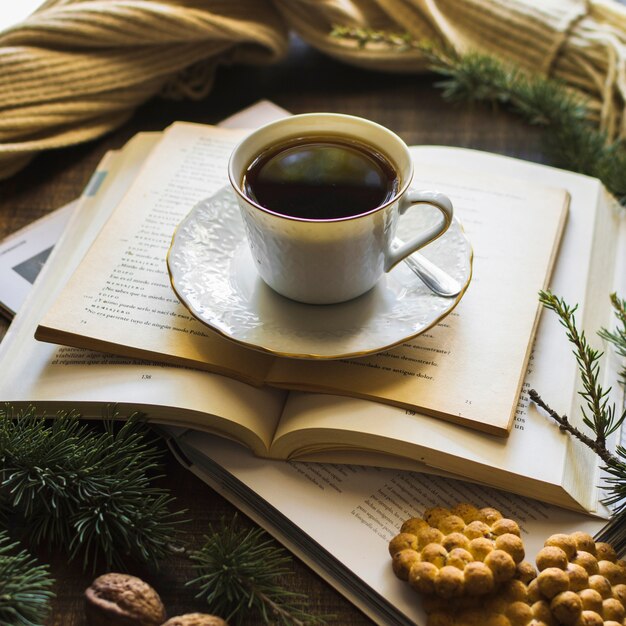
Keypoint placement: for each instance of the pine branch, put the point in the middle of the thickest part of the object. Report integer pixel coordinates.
(618, 336)
(239, 571)
(25, 587)
(603, 420)
(616, 482)
(85, 492)
(570, 140)
(599, 417)
(567, 426)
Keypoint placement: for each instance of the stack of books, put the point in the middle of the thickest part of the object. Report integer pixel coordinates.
(369, 441)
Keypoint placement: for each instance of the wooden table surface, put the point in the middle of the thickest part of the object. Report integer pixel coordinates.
(306, 81)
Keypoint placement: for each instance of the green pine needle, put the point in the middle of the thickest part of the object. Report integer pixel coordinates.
(570, 140)
(618, 336)
(238, 573)
(85, 492)
(25, 587)
(600, 417)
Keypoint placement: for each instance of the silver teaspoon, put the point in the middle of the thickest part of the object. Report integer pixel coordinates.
(433, 277)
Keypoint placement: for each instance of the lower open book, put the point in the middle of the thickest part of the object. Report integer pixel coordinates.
(339, 519)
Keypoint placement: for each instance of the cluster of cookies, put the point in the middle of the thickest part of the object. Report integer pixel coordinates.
(468, 565)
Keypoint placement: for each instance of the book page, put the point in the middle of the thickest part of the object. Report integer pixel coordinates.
(312, 423)
(537, 457)
(52, 377)
(469, 367)
(120, 300)
(121, 295)
(23, 254)
(340, 518)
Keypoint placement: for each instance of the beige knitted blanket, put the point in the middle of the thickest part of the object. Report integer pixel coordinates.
(76, 69)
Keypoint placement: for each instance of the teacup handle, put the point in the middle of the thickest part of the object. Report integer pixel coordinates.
(410, 199)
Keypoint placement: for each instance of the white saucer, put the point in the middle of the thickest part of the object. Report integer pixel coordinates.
(213, 274)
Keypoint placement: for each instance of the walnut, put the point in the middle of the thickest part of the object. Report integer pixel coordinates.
(195, 619)
(122, 600)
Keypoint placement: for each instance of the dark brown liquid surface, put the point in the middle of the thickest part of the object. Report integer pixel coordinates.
(320, 178)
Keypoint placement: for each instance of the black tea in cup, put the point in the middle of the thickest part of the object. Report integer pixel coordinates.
(321, 178)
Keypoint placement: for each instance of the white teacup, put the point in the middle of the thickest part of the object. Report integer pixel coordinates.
(328, 259)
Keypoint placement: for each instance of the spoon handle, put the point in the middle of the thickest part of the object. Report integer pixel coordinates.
(433, 277)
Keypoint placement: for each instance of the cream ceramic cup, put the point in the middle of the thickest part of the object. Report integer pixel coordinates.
(331, 261)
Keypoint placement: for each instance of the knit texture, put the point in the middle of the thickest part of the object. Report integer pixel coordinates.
(76, 69)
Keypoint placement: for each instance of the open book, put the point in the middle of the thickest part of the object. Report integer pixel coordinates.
(536, 459)
(468, 369)
(339, 519)
(23, 254)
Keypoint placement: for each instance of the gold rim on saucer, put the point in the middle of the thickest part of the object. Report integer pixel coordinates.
(213, 275)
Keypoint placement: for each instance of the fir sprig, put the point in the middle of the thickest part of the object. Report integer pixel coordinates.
(570, 140)
(239, 571)
(25, 586)
(599, 416)
(618, 336)
(85, 492)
